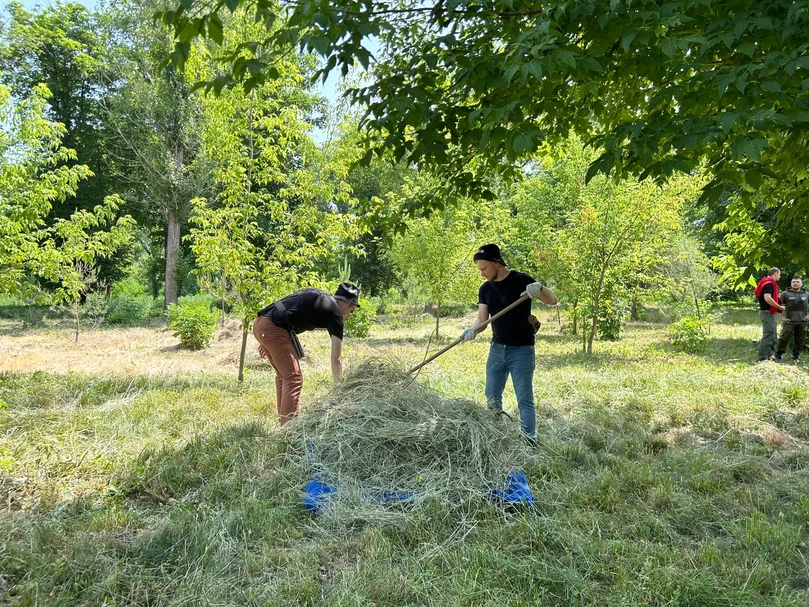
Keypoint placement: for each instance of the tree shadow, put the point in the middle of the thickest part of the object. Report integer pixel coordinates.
(739, 316)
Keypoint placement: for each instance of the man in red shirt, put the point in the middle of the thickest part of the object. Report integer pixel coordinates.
(768, 306)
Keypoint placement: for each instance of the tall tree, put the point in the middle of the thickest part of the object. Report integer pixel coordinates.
(37, 252)
(593, 239)
(157, 121)
(275, 216)
(436, 251)
(63, 46)
(663, 86)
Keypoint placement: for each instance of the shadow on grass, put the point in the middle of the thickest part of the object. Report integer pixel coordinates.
(220, 517)
(739, 316)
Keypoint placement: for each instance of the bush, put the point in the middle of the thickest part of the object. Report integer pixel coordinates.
(610, 317)
(156, 309)
(193, 321)
(127, 310)
(359, 323)
(690, 334)
(128, 287)
(129, 302)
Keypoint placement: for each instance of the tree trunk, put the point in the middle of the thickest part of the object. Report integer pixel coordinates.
(634, 313)
(596, 310)
(172, 253)
(437, 317)
(575, 318)
(696, 304)
(593, 329)
(76, 314)
(245, 324)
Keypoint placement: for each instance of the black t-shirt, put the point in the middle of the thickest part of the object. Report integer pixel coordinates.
(513, 329)
(308, 309)
(763, 305)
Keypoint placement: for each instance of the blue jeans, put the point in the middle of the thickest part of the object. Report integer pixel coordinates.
(519, 361)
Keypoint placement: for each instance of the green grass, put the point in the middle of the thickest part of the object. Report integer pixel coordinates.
(661, 479)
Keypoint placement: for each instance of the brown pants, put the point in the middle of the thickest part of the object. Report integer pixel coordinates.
(277, 344)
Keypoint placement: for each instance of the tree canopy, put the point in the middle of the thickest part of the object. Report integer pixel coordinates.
(474, 86)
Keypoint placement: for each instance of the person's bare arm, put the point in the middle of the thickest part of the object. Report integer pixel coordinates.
(547, 296)
(768, 298)
(336, 358)
(483, 316)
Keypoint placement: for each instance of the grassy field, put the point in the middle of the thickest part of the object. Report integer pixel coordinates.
(135, 473)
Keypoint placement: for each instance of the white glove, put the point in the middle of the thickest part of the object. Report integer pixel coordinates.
(469, 335)
(533, 290)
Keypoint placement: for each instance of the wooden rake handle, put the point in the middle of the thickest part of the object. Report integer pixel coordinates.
(478, 329)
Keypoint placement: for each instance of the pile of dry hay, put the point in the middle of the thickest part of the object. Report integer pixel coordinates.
(380, 433)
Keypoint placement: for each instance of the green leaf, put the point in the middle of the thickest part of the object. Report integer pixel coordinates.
(727, 120)
(190, 30)
(747, 48)
(523, 143)
(711, 192)
(215, 29)
(319, 43)
(254, 66)
(627, 40)
(753, 178)
(745, 146)
(771, 86)
(591, 64)
(567, 58)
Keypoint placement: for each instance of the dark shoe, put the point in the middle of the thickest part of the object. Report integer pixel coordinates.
(532, 442)
(776, 358)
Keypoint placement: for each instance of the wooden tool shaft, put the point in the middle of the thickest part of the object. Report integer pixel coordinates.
(478, 329)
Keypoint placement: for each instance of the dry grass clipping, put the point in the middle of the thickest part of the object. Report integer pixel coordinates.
(380, 433)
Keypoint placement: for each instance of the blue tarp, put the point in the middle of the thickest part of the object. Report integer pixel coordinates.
(515, 492)
(318, 495)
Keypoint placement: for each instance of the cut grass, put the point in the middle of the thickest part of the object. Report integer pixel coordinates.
(661, 479)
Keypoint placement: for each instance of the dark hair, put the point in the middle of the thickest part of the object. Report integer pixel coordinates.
(772, 271)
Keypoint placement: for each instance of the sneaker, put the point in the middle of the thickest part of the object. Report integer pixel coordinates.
(532, 441)
(795, 359)
(776, 358)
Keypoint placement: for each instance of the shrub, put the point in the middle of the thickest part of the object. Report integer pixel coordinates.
(359, 323)
(128, 287)
(690, 334)
(156, 309)
(129, 302)
(610, 316)
(127, 310)
(193, 321)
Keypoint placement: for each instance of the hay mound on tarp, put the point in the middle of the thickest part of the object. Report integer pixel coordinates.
(380, 435)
